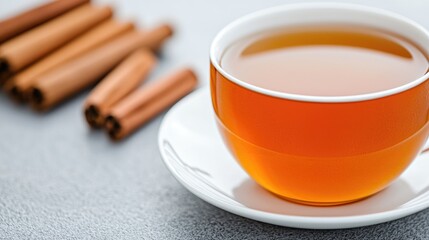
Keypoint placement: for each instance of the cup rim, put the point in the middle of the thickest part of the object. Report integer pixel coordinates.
(311, 98)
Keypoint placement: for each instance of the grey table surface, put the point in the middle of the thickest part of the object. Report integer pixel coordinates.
(61, 180)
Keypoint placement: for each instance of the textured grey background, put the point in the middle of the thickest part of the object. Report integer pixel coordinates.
(60, 180)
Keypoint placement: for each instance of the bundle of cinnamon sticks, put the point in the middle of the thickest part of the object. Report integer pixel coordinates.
(51, 52)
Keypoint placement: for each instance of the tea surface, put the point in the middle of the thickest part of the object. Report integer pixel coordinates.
(325, 60)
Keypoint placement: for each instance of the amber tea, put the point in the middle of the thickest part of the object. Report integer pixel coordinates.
(325, 60)
(322, 152)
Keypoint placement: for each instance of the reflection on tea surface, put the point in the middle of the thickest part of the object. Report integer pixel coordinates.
(325, 60)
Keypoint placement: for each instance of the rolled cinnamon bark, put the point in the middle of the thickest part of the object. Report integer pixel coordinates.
(109, 29)
(73, 76)
(25, 49)
(142, 105)
(120, 82)
(28, 19)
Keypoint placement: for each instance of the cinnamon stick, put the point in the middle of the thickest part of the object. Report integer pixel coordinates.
(109, 29)
(144, 104)
(26, 20)
(121, 81)
(25, 49)
(73, 76)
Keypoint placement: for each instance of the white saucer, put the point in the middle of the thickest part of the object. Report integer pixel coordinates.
(194, 152)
